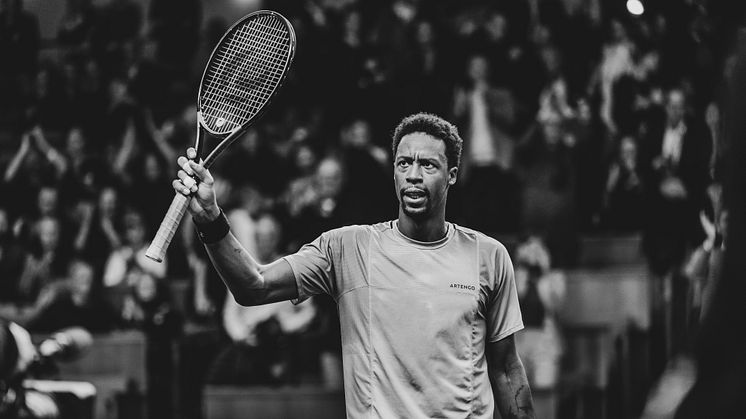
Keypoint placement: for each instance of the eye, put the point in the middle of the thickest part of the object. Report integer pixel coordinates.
(427, 164)
(402, 164)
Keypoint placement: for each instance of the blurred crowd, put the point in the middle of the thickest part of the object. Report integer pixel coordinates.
(577, 117)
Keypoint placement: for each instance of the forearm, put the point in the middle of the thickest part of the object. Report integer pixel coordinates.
(511, 390)
(14, 166)
(241, 273)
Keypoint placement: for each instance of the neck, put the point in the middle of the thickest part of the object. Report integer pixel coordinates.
(426, 230)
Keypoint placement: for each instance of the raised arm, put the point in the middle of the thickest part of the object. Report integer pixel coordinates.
(509, 382)
(250, 282)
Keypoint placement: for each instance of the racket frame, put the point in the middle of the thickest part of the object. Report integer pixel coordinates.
(157, 249)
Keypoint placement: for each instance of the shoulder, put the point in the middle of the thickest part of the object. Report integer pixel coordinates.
(489, 247)
(352, 234)
(485, 242)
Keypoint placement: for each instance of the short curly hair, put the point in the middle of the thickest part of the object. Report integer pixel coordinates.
(435, 126)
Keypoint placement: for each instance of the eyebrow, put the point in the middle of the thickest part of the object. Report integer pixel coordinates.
(424, 159)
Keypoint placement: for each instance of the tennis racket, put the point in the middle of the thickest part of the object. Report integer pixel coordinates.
(245, 71)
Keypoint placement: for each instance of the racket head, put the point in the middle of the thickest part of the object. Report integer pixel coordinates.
(245, 70)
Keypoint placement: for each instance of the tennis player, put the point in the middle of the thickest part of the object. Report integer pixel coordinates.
(427, 308)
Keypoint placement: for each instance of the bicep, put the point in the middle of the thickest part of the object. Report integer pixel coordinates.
(279, 281)
(501, 355)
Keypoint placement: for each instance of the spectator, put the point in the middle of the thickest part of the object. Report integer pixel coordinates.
(705, 264)
(486, 115)
(624, 196)
(149, 190)
(127, 263)
(119, 22)
(100, 230)
(73, 301)
(367, 169)
(12, 261)
(265, 339)
(19, 39)
(541, 291)
(616, 62)
(675, 167)
(545, 162)
(176, 34)
(47, 261)
(77, 24)
(331, 207)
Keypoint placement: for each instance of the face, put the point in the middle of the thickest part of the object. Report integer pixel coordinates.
(107, 201)
(75, 142)
(134, 229)
(152, 168)
(81, 281)
(305, 159)
(267, 237)
(675, 107)
(357, 134)
(497, 26)
(478, 68)
(47, 201)
(49, 233)
(146, 288)
(424, 33)
(329, 178)
(422, 176)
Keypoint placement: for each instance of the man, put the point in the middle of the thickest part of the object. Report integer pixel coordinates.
(427, 308)
(676, 157)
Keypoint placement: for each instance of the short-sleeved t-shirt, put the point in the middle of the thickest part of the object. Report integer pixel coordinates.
(415, 317)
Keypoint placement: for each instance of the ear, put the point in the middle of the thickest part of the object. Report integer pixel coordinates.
(452, 175)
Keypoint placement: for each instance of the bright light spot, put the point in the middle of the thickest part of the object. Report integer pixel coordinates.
(635, 7)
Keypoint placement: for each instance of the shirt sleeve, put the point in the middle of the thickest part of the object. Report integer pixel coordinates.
(313, 267)
(503, 311)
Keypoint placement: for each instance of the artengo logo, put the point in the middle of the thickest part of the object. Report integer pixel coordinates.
(464, 287)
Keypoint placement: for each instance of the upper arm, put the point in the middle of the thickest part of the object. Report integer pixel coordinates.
(279, 281)
(501, 354)
(503, 313)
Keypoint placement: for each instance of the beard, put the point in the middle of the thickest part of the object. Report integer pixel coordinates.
(418, 210)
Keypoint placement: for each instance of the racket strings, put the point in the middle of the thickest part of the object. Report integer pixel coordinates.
(243, 41)
(244, 72)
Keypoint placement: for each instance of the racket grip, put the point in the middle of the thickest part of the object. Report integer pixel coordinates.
(159, 245)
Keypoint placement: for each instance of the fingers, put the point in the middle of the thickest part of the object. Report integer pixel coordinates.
(180, 188)
(183, 163)
(188, 181)
(203, 175)
(190, 174)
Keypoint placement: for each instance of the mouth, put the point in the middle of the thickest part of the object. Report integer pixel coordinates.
(414, 195)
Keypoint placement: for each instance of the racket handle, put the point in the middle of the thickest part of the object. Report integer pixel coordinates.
(159, 245)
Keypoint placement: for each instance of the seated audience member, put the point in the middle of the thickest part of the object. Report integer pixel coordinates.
(120, 272)
(545, 163)
(47, 261)
(72, 301)
(706, 262)
(265, 339)
(675, 162)
(99, 229)
(541, 291)
(12, 261)
(623, 197)
(147, 305)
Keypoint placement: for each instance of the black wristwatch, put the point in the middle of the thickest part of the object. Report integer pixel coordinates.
(213, 231)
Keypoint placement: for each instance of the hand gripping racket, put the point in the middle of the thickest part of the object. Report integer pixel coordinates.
(244, 72)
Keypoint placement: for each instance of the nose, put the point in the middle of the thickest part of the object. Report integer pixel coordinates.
(414, 174)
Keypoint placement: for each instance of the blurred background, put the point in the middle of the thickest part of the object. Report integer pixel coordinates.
(593, 149)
